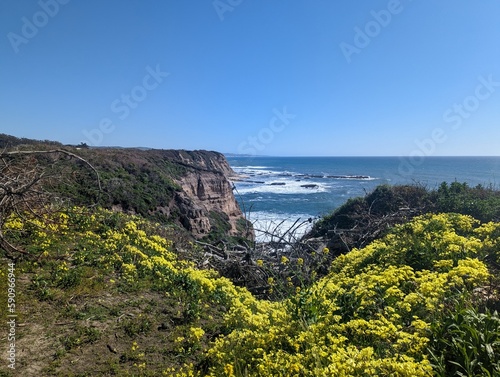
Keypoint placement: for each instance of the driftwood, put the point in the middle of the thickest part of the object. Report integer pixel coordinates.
(269, 269)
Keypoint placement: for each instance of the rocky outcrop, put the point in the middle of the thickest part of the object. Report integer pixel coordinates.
(192, 188)
(202, 200)
(208, 161)
(206, 200)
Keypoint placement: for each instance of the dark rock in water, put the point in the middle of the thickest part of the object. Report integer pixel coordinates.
(278, 184)
(310, 186)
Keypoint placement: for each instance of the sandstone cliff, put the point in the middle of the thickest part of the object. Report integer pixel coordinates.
(191, 188)
(206, 200)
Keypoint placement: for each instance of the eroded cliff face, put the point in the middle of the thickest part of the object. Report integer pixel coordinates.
(206, 201)
(199, 194)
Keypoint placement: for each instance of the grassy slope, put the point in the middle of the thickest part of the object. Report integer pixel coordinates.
(133, 180)
(107, 296)
(88, 306)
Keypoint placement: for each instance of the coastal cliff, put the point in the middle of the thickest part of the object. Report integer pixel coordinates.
(206, 200)
(189, 188)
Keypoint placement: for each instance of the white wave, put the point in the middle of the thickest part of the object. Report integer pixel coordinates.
(250, 167)
(260, 171)
(254, 173)
(272, 226)
(283, 186)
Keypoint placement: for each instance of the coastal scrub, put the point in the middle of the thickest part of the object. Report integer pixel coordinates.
(377, 312)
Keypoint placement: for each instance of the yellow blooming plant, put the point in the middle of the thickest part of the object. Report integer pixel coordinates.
(196, 333)
(370, 316)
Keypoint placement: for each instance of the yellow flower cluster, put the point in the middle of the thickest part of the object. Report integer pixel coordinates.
(13, 223)
(371, 315)
(197, 333)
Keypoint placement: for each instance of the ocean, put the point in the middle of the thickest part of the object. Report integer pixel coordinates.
(277, 192)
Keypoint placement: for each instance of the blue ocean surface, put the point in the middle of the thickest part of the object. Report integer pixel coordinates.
(282, 190)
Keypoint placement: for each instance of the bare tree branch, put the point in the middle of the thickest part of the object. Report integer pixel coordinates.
(22, 191)
(63, 151)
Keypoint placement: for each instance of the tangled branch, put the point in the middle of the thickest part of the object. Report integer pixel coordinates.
(21, 187)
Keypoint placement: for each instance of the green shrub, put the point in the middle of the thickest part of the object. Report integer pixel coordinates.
(466, 342)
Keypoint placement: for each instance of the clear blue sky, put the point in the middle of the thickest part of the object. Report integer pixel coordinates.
(292, 77)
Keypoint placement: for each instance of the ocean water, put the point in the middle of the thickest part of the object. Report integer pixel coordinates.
(276, 192)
